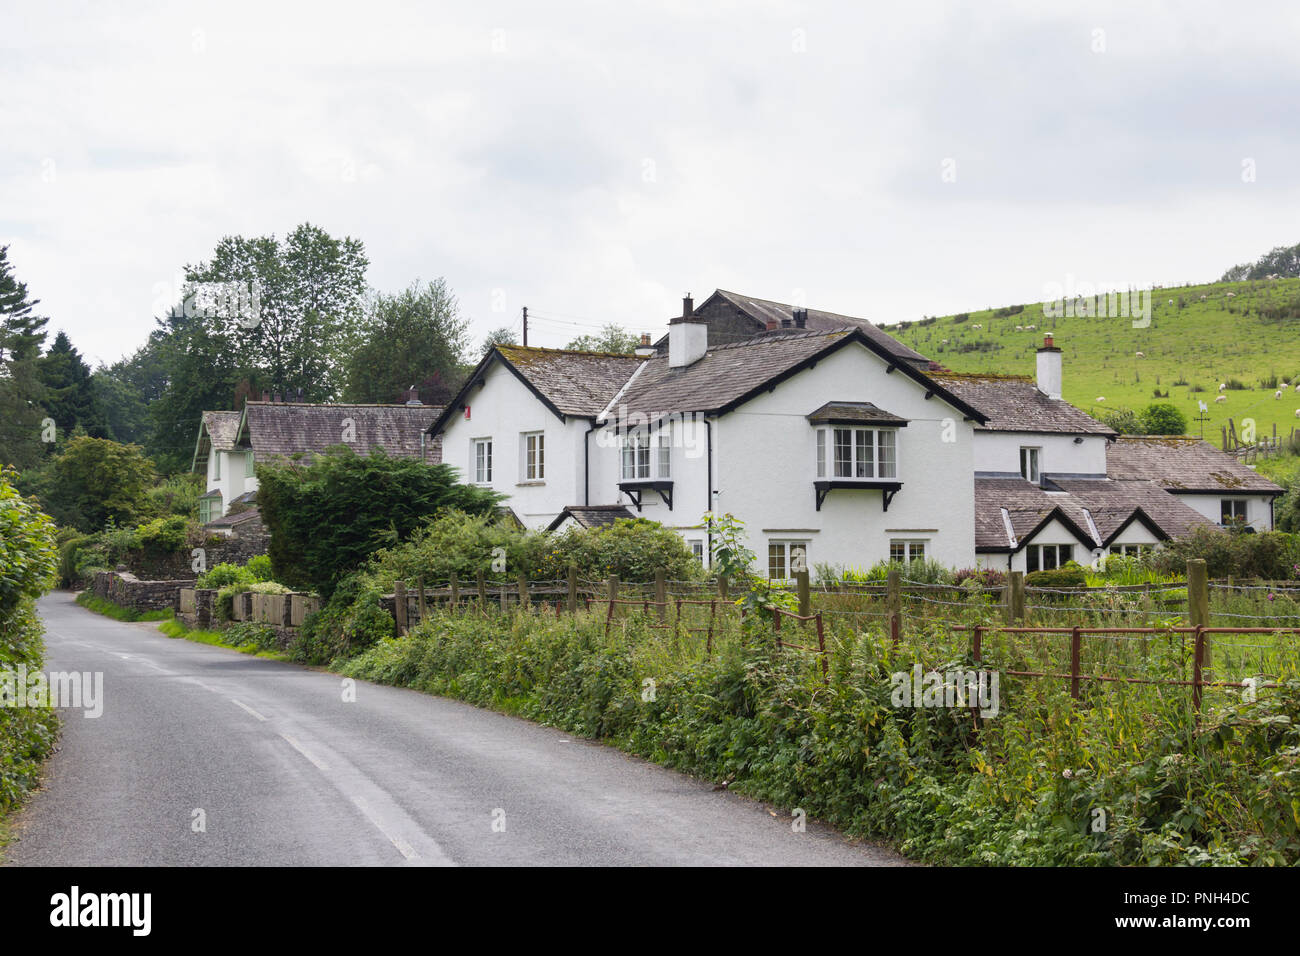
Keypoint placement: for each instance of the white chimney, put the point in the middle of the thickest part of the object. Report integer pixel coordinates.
(1049, 368)
(688, 337)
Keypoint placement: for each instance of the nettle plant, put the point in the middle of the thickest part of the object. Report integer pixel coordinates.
(734, 561)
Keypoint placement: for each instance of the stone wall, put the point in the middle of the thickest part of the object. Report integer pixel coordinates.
(126, 590)
(248, 540)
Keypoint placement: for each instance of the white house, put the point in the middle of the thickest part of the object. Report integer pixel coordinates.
(833, 443)
(230, 443)
(828, 446)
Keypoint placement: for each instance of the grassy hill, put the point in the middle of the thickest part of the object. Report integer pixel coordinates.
(1244, 334)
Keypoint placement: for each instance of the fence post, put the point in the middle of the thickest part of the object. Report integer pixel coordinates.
(524, 602)
(1198, 662)
(976, 643)
(805, 592)
(482, 591)
(573, 589)
(424, 607)
(505, 597)
(821, 646)
(399, 606)
(1198, 600)
(1016, 597)
(661, 593)
(722, 586)
(894, 604)
(455, 592)
(611, 588)
(1076, 654)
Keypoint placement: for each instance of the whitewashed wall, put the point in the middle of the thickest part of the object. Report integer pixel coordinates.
(232, 482)
(1000, 452)
(1259, 513)
(502, 409)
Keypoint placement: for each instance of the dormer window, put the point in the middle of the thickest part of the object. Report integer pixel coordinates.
(866, 453)
(1030, 468)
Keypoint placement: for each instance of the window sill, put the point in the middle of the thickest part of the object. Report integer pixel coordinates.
(528, 484)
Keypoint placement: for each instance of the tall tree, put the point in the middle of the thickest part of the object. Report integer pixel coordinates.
(411, 339)
(70, 398)
(502, 336)
(292, 309)
(22, 333)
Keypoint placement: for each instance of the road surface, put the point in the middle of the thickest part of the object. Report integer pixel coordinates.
(204, 756)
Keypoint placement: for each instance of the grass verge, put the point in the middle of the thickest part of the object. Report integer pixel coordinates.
(247, 639)
(118, 613)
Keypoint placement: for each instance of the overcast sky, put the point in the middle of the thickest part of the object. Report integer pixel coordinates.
(596, 161)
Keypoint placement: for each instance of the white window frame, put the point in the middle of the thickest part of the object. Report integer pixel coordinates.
(532, 453)
(216, 465)
(1234, 505)
(664, 451)
(1038, 550)
(787, 548)
(697, 549)
(1031, 463)
(637, 462)
(249, 471)
(910, 546)
(1129, 550)
(870, 451)
(481, 464)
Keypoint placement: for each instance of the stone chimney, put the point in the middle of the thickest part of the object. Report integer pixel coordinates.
(645, 349)
(1049, 368)
(688, 337)
(801, 318)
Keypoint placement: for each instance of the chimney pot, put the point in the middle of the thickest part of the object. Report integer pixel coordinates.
(266, 396)
(688, 306)
(1049, 369)
(645, 339)
(771, 324)
(801, 318)
(786, 323)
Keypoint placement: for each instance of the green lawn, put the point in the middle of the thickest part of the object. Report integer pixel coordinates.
(1252, 336)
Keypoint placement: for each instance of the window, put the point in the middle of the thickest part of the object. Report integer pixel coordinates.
(1046, 557)
(903, 550)
(1232, 511)
(482, 458)
(216, 466)
(534, 449)
(249, 472)
(1129, 550)
(209, 508)
(857, 453)
(665, 444)
(697, 549)
(1029, 464)
(636, 457)
(785, 559)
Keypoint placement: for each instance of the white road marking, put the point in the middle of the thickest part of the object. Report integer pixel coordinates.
(299, 747)
(403, 847)
(241, 704)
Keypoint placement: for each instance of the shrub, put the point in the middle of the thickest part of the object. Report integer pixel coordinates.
(630, 548)
(984, 577)
(1068, 575)
(325, 519)
(1272, 555)
(1162, 418)
(164, 535)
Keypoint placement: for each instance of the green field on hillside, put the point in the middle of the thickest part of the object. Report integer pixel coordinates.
(1242, 334)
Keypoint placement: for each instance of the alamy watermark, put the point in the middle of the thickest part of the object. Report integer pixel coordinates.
(956, 687)
(83, 691)
(1073, 299)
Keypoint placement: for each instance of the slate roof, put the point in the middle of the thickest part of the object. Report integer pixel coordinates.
(216, 430)
(734, 372)
(765, 310)
(1183, 464)
(591, 516)
(233, 518)
(283, 429)
(567, 382)
(1096, 509)
(864, 412)
(1013, 403)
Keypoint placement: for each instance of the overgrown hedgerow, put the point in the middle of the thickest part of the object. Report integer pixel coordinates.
(1028, 787)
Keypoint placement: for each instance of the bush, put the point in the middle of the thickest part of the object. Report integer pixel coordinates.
(1068, 575)
(28, 562)
(1272, 555)
(165, 535)
(630, 548)
(325, 519)
(1162, 418)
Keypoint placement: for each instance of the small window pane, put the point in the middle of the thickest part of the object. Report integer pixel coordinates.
(887, 464)
(821, 453)
(776, 560)
(843, 453)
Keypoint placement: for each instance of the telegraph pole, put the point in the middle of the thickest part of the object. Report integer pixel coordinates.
(525, 326)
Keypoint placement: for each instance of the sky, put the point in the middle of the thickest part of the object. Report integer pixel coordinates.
(595, 162)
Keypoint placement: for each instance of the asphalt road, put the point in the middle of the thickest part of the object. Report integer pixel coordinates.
(285, 771)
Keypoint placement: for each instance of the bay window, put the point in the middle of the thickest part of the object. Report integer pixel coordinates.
(857, 453)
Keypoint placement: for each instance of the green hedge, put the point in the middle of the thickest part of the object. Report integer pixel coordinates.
(1021, 790)
(28, 561)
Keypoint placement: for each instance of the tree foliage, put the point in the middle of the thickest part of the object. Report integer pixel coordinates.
(327, 518)
(1282, 261)
(414, 338)
(22, 333)
(611, 338)
(94, 481)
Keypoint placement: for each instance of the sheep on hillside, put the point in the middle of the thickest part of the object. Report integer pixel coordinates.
(1101, 398)
(1141, 355)
(1221, 398)
(1278, 393)
(1222, 386)
(1231, 295)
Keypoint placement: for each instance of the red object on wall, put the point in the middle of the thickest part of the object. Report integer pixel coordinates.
(466, 413)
